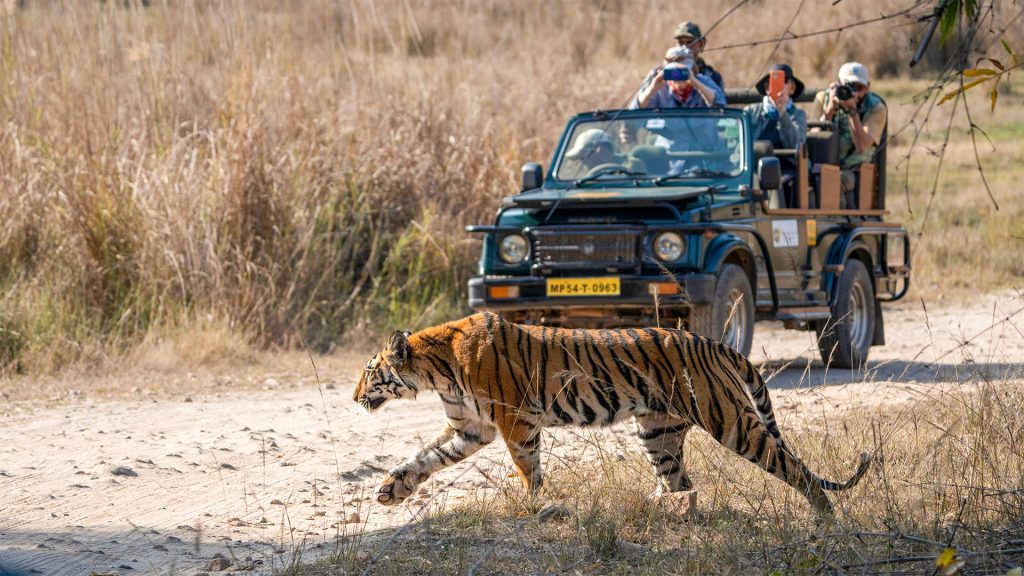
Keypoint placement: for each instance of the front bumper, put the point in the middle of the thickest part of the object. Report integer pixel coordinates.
(634, 293)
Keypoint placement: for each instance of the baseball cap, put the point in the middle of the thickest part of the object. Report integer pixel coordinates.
(680, 54)
(853, 72)
(687, 29)
(588, 140)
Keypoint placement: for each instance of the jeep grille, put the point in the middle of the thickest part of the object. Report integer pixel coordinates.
(581, 248)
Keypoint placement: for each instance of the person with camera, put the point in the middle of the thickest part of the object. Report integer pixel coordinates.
(689, 36)
(678, 85)
(775, 118)
(858, 115)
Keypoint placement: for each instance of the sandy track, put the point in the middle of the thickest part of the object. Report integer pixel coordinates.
(257, 476)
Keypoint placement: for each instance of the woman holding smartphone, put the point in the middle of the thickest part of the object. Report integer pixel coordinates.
(775, 117)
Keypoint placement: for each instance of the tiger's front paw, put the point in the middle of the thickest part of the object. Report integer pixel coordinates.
(396, 488)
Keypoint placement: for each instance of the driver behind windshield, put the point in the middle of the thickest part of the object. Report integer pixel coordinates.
(593, 151)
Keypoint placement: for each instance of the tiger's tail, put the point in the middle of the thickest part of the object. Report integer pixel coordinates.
(758, 390)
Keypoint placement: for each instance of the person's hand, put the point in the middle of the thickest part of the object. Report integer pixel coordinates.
(833, 102)
(849, 105)
(781, 102)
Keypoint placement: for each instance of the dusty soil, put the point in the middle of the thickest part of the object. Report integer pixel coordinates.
(164, 484)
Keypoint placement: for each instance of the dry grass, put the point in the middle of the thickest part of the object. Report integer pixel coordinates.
(947, 474)
(282, 174)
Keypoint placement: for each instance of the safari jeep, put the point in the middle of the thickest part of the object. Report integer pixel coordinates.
(677, 217)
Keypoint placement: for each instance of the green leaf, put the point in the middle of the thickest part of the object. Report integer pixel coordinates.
(1006, 46)
(948, 19)
(964, 88)
(975, 72)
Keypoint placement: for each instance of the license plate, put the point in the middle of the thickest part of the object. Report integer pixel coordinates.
(583, 286)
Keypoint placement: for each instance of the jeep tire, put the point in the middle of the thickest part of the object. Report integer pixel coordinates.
(718, 321)
(845, 339)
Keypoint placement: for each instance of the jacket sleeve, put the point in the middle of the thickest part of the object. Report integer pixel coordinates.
(793, 128)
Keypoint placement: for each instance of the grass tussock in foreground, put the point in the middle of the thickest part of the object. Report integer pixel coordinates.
(948, 474)
(290, 173)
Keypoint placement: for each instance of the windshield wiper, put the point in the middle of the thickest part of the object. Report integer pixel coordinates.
(691, 173)
(607, 171)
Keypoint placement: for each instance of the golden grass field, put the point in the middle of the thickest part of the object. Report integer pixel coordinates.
(199, 188)
(279, 174)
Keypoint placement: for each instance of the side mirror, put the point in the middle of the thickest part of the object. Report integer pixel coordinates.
(533, 176)
(769, 173)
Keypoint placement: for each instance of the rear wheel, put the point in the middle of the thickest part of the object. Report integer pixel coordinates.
(730, 316)
(845, 339)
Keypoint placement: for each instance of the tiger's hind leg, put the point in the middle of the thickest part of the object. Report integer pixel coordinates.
(663, 439)
(451, 445)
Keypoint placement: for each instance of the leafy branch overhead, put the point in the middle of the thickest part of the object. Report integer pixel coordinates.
(980, 75)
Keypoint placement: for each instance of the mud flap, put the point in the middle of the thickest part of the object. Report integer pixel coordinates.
(878, 339)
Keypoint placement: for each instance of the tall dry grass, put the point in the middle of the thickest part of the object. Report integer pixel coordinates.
(303, 171)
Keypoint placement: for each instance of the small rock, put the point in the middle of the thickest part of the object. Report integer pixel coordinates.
(553, 513)
(330, 386)
(681, 503)
(188, 399)
(174, 539)
(276, 502)
(160, 547)
(218, 564)
(630, 548)
(123, 471)
(227, 466)
(353, 518)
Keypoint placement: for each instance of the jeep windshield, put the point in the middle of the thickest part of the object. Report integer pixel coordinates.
(655, 149)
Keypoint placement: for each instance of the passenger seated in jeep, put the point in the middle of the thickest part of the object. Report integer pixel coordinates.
(592, 151)
(777, 119)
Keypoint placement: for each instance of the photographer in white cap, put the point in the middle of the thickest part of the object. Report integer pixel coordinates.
(858, 115)
(679, 85)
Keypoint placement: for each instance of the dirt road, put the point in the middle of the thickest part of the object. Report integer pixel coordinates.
(165, 486)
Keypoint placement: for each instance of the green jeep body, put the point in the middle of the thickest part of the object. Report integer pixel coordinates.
(688, 225)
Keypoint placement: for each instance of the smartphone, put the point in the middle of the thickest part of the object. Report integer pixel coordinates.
(776, 83)
(676, 73)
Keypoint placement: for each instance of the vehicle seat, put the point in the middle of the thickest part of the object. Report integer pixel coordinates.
(655, 158)
(823, 147)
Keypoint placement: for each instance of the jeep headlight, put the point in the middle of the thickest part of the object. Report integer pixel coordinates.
(669, 246)
(514, 249)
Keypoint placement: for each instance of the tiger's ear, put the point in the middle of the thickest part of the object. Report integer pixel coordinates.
(398, 348)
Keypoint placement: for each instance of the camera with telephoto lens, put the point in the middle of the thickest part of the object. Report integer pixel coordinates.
(676, 73)
(844, 92)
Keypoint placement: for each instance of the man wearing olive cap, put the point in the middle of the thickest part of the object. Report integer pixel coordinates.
(688, 35)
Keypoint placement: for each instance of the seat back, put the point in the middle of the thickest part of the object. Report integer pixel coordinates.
(655, 158)
(823, 147)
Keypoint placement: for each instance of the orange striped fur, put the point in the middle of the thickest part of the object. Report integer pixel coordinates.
(495, 377)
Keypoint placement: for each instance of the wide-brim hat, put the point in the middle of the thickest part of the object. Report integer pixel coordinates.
(762, 84)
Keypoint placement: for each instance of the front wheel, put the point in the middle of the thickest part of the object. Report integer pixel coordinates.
(845, 339)
(730, 316)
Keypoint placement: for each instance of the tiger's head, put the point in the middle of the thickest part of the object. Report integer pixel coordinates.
(387, 374)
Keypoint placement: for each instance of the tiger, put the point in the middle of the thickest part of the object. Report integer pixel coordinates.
(495, 377)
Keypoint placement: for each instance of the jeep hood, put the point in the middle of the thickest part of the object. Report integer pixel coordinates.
(633, 196)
